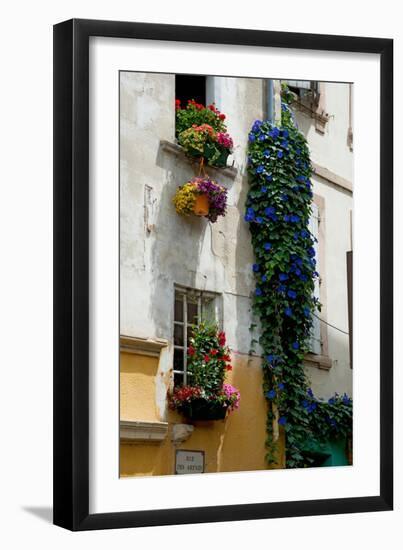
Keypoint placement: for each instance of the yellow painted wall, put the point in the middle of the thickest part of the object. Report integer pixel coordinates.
(234, 444)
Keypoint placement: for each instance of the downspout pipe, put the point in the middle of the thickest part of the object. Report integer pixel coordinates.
(270, 100)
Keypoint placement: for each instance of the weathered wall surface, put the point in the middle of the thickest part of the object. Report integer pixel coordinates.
(160, 248)
(331, 150)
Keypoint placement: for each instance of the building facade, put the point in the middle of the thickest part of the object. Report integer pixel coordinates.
(174, 269)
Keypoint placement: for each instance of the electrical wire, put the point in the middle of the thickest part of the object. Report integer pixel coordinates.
(330, 325)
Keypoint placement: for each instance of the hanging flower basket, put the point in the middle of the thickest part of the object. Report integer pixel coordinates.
(201, 196)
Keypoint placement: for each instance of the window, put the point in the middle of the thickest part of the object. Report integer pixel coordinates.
(316, 341)
(190, 306)
(190, 87)
(304, 89)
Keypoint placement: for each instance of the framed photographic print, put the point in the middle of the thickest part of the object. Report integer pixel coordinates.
(223, 274)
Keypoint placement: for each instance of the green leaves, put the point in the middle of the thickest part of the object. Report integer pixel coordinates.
(278, 208)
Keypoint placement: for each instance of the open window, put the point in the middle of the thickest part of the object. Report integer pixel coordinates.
(190, 86)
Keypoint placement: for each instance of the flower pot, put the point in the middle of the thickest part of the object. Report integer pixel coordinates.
(203, 409)
(201, 205)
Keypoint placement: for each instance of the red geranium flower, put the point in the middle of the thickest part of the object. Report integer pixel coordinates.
(214, 352)
(206, 358)
(227, 357)
(222, 116)
(228, 367)
(221, 338)
(191, 350)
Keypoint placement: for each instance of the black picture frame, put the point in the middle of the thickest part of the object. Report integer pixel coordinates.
(71, 274)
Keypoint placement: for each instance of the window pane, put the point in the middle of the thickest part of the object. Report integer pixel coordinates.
(178, 359)
(189, 334)
(178, 308)
(192, 312)
(178, 335)
(208, 311)
(178, 379)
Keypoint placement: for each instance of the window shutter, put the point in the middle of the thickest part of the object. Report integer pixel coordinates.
(315, 340)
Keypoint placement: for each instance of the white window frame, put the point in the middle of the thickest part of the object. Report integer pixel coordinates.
(315, 345)
(200, 297)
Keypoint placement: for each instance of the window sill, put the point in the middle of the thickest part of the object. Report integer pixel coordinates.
(176, 150)
(322, 362)
(133, 431)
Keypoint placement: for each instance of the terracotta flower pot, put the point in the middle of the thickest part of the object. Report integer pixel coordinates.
(201, 206)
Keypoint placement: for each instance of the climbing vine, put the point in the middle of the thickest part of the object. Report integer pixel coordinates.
(278, 209)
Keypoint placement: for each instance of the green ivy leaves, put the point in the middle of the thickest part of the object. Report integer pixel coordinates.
(278, 209)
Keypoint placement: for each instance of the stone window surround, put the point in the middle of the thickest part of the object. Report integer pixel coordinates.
(140, 431)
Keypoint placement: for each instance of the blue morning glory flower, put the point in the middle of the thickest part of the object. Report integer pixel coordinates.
(271, 394)
(256, 267)
(311, 251)
(305, 404)
(301, 178)
(260, 169)
(264, 278)
(284, 197)
(292, 294)
(280, 154)
(346, 399)
(259, 219)
(282, 420)
(303, 277)
(312, 407)
(249, 217)
(295, 345)
(307, 311)
(294, 218)
(297, 272)
(271, 358)
(262, 137)
(284, 144)
(285, 133)
(267, 246)
(269, 210)
(258, 292)
(266, 153)
(332, 401)
(281, 386)
(287, 218)
(298, 151)
(252, 137)
(309, 392)
(269, 177)
(295, 236)
(274, 133)
(304, 234)
(281, 288)
(256, 125)
(283, 276)
(288, 311)
(263, 189)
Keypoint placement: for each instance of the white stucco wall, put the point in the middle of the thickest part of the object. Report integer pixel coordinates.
(190, 252)
(159, 248)
(331, 150)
